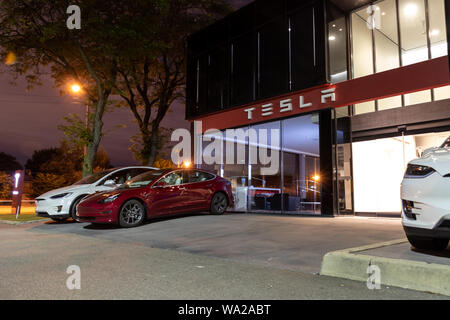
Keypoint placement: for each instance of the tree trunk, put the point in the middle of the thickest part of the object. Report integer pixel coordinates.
(92, 147)
(153, 144)
(146, 147)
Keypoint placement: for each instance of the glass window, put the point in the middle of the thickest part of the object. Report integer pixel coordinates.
(442, 93)
(386, 36)
(265, 185)
(303, 53)
(273, 70)
(218, 66)
(389, 103)
(413, 31)
(364, 107)
(235, 169)
(242, 69)
(144, 179)
(94, 177)
(119, 177)
(438, 32)
(362, 46)
(301, 172)
(337, 46)
(417, 97)
(174, 178)
(198, 176)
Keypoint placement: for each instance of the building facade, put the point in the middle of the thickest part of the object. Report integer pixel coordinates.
(355, 90)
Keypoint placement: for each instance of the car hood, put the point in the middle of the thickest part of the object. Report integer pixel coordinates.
(98, 196)
(71, 188)
(438, 159)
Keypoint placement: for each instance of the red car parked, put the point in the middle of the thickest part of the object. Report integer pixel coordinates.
(157, 193)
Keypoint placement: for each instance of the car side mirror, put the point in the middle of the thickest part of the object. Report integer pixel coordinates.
(110, 183)
(161, 184)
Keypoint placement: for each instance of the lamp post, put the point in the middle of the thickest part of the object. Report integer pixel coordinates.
(76, 89)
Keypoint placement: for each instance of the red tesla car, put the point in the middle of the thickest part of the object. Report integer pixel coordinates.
(157, 193)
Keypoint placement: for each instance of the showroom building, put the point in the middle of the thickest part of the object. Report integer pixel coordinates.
(355, 89)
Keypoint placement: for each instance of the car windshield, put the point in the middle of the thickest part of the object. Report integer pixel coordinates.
(144, 179)
(94, 177)
(446, 143)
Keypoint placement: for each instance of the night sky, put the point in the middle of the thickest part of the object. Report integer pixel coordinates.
(29, 120)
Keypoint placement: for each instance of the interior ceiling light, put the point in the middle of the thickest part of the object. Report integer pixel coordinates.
(434, 32)
(410, 10)
(332, 38)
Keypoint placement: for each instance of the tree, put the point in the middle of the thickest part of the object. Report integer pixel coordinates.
(44, 182)
(38, 158)
(58, 167)
(36, 31)
(6, 185)
(9, 163)
(153, 77)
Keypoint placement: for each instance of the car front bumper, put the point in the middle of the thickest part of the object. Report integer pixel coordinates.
(53, 207)
(426, 204)
(97, 213)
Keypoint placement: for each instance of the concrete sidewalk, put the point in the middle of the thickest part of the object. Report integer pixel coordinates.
(398, 263)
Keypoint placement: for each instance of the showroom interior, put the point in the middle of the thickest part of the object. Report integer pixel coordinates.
(341, 159)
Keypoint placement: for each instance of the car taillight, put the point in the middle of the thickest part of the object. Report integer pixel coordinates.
(418, 171)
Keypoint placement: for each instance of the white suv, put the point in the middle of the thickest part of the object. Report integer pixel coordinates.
(60, 204)
(425, 193)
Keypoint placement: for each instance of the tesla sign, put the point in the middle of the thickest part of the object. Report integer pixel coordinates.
(287, 105)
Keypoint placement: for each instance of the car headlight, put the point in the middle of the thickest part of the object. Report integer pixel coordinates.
(418, 171)
(110, 198)
(61, 195)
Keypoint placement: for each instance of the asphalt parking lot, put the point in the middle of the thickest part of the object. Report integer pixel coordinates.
(235, 256)
(287, 242)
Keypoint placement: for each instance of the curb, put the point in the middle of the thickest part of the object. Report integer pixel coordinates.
(22, 222)
(407, 274)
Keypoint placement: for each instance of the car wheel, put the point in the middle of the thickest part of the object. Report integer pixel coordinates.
(219, 203)
(59, 220)
(73, 210)
(428, 243)
(131, 214)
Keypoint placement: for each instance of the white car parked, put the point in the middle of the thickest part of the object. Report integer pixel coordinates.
(60, 204)
(425, 193)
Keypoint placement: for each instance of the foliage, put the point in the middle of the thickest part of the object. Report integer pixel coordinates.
(9, 163)
(63, 165)
(6, 185)
(153, 77)
(47, 181)
(39, 157)
(163, 164)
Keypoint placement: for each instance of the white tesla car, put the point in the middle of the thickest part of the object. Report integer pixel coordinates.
(425, 193)
(60, 204)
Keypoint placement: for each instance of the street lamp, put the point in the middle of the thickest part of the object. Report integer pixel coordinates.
(75, 88)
